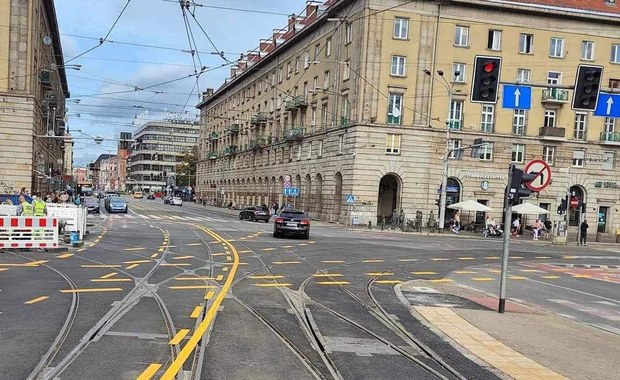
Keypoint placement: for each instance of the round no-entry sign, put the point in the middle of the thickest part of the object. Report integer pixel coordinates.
(543, 174)
(574, 202)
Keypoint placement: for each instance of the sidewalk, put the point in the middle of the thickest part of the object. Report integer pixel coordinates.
(523, 343)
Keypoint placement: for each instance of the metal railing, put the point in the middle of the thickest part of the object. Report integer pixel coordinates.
(610, 136)
(213, 155)
(213, 136)
(258, 143)
(293, 134)
(555, 95)
(230, 150)
(258, 118)
(233, 128)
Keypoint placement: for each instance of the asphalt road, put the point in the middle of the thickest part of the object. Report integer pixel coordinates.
(167, 290)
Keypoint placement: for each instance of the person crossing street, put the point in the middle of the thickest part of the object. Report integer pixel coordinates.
(583, 233)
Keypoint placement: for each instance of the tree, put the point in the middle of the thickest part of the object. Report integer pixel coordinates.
(186, 169)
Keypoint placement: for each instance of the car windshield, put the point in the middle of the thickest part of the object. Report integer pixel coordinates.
(117, 200)
(292, 214)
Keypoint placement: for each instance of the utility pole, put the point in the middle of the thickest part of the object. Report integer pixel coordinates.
(506, 245)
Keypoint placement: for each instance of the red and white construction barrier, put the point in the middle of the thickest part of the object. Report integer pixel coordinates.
(28, 232)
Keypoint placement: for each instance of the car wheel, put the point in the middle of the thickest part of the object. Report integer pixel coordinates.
(307, 235)
(240, 217)
(276, 234)
(125, 211)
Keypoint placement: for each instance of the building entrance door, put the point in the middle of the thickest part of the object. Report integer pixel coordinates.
(602, 219)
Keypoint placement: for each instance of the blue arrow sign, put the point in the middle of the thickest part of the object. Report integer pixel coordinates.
(517, 97)
(608, 105)
(351, 198)
(291, 192)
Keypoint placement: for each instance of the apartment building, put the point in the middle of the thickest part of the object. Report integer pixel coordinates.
(340, 102)
(33, 89)
(158, 148)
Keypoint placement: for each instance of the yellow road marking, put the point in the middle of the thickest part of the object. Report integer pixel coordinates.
(137, 262)
(134, 249)
(311, 242)
(175, 264)
(219, 254)
(196, 312)
(100, 266)
(581, 276)
(194, 278)
(111, 280)
(327, 275)
(333, 261)
(406, 260)
(179, 336)
(466, 258)
(517, 278)
(219, 277)
(242, 238)
(188, 287)
(149, 372)
(64, 255)
(228, 258)
(372, 261)
(333, 282)
(440, 259)
(189, 347)
(276, 285)
(494, 271)
(569, 257)
(29, 264)
(483, 278)
(225, 269)
(35, 300)
(543, 257)
(3, 269)
(285, 262)
(183, 257)
(132, 266)
(388, 282)
(379, 274)
(516, 257)
(464, 272)
(423, 273)
(91, 290)
(246, 251)
(161, 249)
(442, 280)
(193, 244)
(265, 277)
(491, 257)
(532, 270)
(154, 255)
(288, 246)
(302, 244)
(81, 250)
(210, 294)
(550, 277)
(268, 249)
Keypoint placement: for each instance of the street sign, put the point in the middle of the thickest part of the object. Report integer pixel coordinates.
(291, 192)
(543, 174)
(517, 97)
(574, 202)
(608, 105)
(287, 181)
(351, 198)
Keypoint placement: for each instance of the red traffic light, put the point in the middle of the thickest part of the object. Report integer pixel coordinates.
(489, 66)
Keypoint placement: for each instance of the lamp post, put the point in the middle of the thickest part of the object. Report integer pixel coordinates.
(444, 173)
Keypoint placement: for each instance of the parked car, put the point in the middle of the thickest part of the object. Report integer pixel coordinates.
(167, 199)
(117, 204)
(255, 213)
(176, 201)
(137, 195)
(150, 196)
(291, 222)
(92, 205)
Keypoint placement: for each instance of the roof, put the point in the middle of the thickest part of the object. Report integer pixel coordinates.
(50, 10)
(601, 6)
(104, 157)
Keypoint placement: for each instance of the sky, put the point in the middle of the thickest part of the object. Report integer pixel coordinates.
(151, 43)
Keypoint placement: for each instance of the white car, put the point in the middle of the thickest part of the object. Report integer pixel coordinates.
(176, 201)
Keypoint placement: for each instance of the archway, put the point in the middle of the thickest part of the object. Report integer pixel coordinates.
(453, 195)
(574, 214)
(337, 197)
(389, 195)
(318, 195)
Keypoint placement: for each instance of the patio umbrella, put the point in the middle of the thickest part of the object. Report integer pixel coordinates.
(470, 205)
(529, 209)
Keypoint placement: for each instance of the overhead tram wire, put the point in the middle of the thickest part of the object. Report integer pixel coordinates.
(193, 47)
(230, 8)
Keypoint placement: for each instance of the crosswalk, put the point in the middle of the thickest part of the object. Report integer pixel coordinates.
(174, 218)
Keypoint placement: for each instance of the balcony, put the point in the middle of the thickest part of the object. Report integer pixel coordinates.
(233, 129)
(258, 118)
(294, 134)
(213, 155)
(555, 96)
(258, 143)
(300, 101)
(230, 150)
(612, 138)
(289, 105)
(344, 121)
(552, 133)
(213, 136)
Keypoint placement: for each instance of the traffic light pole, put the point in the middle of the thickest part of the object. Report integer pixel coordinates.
(506, 246)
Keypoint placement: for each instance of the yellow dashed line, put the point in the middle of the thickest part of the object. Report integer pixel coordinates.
(100, 266)
(517, 278)
(581, 276)
(550, 277)
(327, 275)
(492, 257)
(3, 269)
(111, 280)
(333, 282)
(285, 262)
(372, 261)
(182, 257)
(494, 271)
(219, 254)
(193, 244)
(209, 295)
(154, 255)
(137, 262)
(111, 274)
(464, 272)
(388, 282)
(224, 269)
(440, 259)
(483, 279)
(379, 274)
(175, 264)
(134, 249)
(288, 246)
(423, 273)
(543, 257)
(149, 372)
(569, 257)
(466, 258)
(64, 255)
(333, 261)
(189, 287)
(265, 277)
(91, 290)
(442, 280)
(246, 251)
(276, 285)
(219, 277)
(179, 336)
(268, 249)
(531, 270)
(132, 266)
(302, 244)
(35, 300)
(196, 312)
(161, 249)
(194, 278)
(516, 257)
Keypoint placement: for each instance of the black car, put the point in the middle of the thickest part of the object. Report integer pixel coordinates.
(255, 213)
(291, 222)
(92, 205)
(150, 196)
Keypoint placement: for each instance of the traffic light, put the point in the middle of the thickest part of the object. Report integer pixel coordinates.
(486, 79)
(437, 202)
(563, 206)
(587, 87)
(518, 188)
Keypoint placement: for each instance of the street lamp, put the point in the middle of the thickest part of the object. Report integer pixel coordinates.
(444, 174)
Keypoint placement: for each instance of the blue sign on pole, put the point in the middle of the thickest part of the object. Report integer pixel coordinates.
(608, 105)
(351, 198)
(517, 97)
(291, 192)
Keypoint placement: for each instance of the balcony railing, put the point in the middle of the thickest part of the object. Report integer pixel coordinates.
(613, 137)
(213, 136)
(555, 95)
(233, 128)
(344, 121)
(230, 150)
(301, 101)
(552, 132)
(258, 118)
(455, 125)
(294, 134)
(258, 143)
(289, 105)
(213, 155)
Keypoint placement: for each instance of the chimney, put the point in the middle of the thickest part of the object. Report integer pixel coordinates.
(207, 94)
(311, 8)
(291, 21)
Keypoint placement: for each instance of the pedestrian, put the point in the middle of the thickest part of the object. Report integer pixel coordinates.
(516, 227)
(548, 227)
(536, 229)
(457, 221)
(39, 206)
(23, 191)
(24, 208)
(401, 219)
(583, 233)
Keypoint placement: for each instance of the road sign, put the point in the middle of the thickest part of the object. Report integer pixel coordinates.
(517, 97)
(608, 105)
(543, 171)
(351, 198)
(291, 192)
(574, 202)
(287, 181)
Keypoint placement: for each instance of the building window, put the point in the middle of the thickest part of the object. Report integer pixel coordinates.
(313, 117)
(306, 60)
(315, 85)
(296, 65)
(581, 121)
(614, 83)
(456, 114)
(346, 71)
(486, 120)
(398, 65)
(326, 80)
(309, 150)
(495, 40)
(609, 127)
(328, 47)
(609, 159)
(549, 154)
(526, 43)
(554, 77)
(461, 35)
(340, 144)
(324, 115)
(317, 51)
(486, 152)
(549, 121)
(587, 50)
(392, 144)
(273, 83)
(460, 69)
(518, 152)
(345, 109)
(453, 146)
(615, 53)
(579, 158)
(320, 151)
(395, 108)
(401, 28)
(518, 122)
(349, 33)
(305, 89)
(556, 47)
(299, 149)
(524, 75)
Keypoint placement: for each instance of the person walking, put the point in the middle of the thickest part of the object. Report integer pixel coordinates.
(457, 222)
(516, 226)
(548, 227)
(24, 208)
(536, 229)
(583, 233)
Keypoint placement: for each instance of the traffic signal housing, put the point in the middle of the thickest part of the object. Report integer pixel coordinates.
(518, 188)
(587, 87)
(563, 205)
(485, 84)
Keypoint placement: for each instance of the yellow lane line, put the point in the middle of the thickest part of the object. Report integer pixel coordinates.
(581, 276)
(423, 273)
(407, 260)
(372, 261)
(175, 264)
(532, 270)
(379, 274)
(492, 257)
(228, 258)
(333, 261)
(442, 280)
(225, 269)
(333, 282)
(302, 244)
(440, 259)
(196, 312)
(268, 249)
(35, 300)
(388, 282)
(64, 255)
(219, 254)
(483, 278)
(179, 336)
(81, 250)
(465, 272)
(209, 295)
(466, 258)
(516, 257)
(134, 249)
(154, 255)
(219, 277)
(189, 347)
(494, 271)
(550, 277)
(327, 275)
(100, 266)
(149, 372)
(288, 246)
(276, 285)
(161, 249)
(311, 242)
(543, 257)
(111, 280)
(517, 278)
(246, 251)
(183, 257)
(137, 262)
(3, 269)
(193, 244)
(30, 264)
(285, 262)
(265, 277)
(187, 287)
(194, 278)
(91, 290)
(132, 266)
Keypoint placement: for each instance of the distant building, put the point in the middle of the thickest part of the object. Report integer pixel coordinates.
(82, 176)
(159, 146)
(122, 158)
(100, 171)
(108, 174)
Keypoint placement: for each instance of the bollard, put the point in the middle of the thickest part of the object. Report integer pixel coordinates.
(370, 225)
(617, 235)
